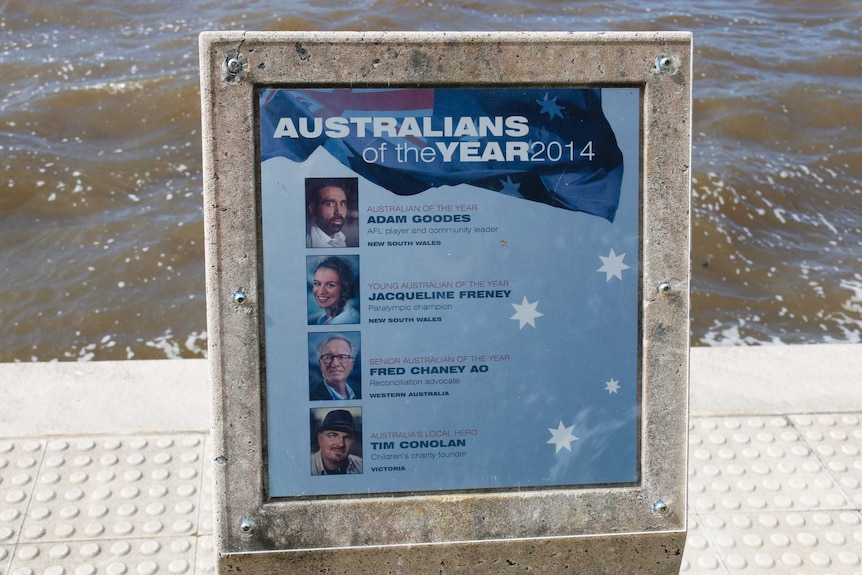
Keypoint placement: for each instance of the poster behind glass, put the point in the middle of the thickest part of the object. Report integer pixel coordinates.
(450, 288)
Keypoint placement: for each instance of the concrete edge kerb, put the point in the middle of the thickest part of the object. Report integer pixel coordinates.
(776, 380)
(110, 397)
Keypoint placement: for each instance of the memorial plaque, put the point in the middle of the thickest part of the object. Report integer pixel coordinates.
(448, 297)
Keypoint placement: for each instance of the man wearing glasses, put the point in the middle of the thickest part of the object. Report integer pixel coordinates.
(335, 438)
(336, 357)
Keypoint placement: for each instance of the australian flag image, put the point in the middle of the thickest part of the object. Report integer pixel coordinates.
(566, 153)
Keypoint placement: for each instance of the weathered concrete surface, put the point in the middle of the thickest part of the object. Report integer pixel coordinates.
(582, 555)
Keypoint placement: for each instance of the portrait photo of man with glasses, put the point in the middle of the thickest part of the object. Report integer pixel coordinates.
(337, 446)
(336, 375)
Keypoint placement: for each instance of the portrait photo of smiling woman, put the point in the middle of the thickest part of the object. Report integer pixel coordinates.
(334, 283)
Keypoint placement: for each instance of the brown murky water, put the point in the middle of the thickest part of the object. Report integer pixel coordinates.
(100, 186)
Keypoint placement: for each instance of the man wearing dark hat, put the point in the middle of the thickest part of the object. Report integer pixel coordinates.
(335, 438)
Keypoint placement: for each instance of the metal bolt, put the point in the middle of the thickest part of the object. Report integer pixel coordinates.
(661, 507)
(665, 64)
(664, 287)
(240, 297)
(234, 65)
(246, 526)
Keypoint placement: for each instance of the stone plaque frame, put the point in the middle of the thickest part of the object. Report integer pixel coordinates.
(596, 528)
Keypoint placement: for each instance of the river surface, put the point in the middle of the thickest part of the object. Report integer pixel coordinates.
(101, 223)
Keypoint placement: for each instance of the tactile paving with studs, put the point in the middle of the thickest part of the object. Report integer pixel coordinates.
(19, 465)
(837, 441)
(775, 494)
(111, 505)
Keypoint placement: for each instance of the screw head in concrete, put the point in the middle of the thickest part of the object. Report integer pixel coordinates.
(661, 507)
(664, 287)
(246, 526)
(665, 64)
(234, 65)
(239, 297)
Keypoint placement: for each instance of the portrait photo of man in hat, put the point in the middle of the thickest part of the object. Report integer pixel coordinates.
(334, 446)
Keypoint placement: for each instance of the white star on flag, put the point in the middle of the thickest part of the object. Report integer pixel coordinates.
(526, 313)
(562, 437)
(612, 386)
(613, 265)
